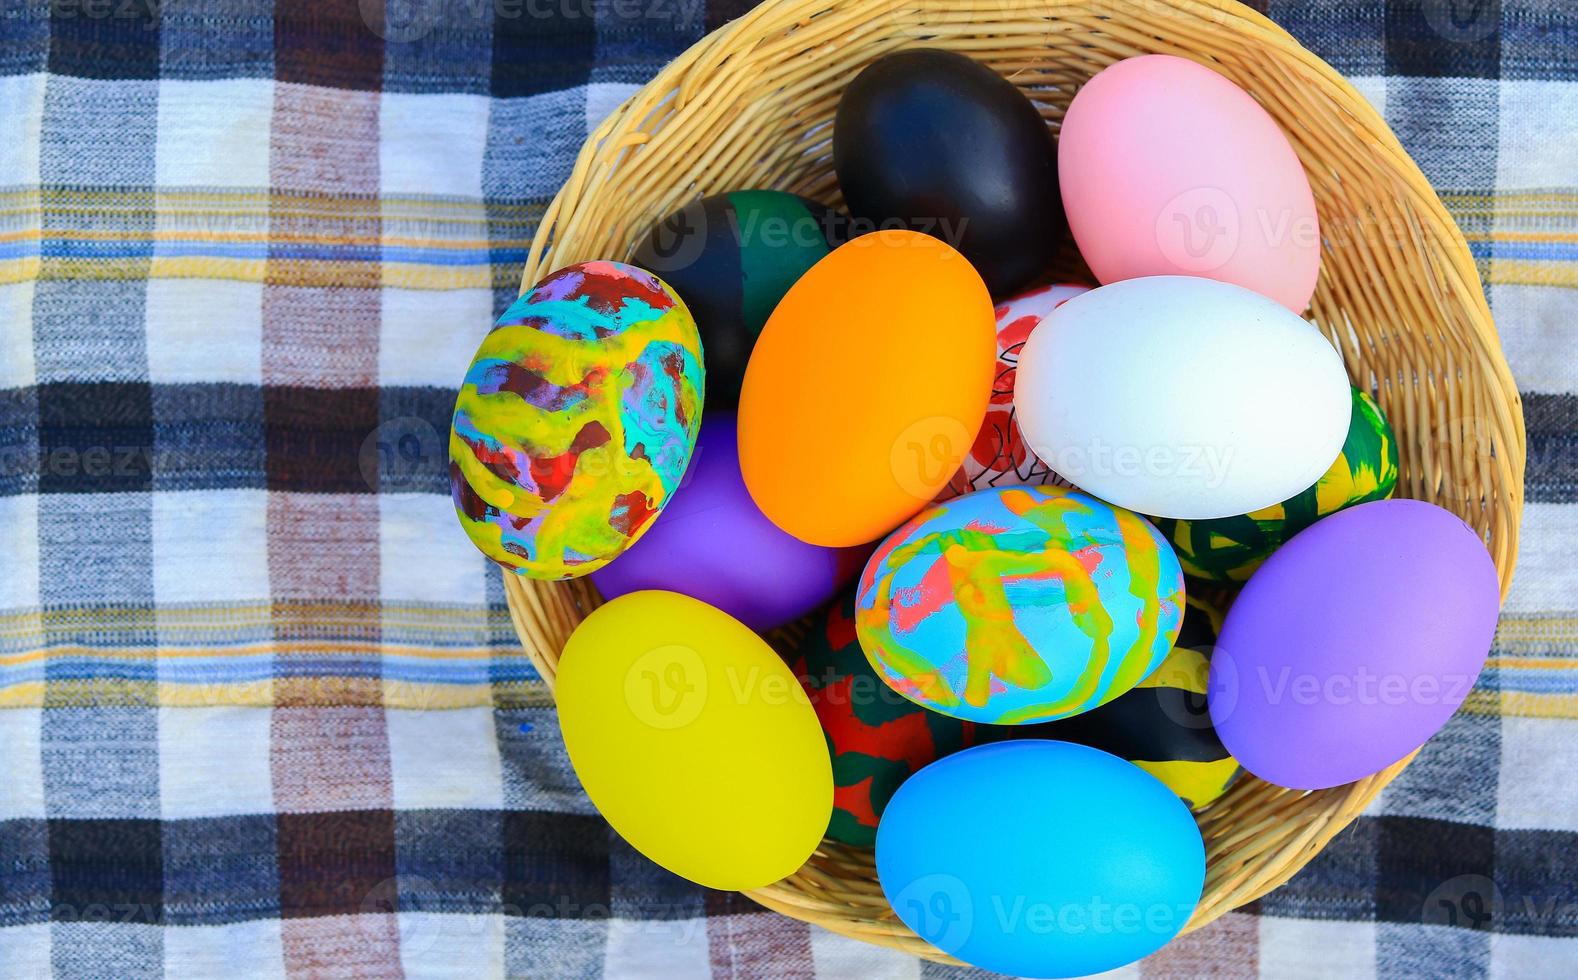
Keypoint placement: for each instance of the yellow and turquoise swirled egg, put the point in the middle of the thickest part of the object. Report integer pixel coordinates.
(1017, 605)
(1229, 549)
(576, 420)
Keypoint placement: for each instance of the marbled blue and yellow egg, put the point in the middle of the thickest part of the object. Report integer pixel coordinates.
(1018, 605)
(576, 420)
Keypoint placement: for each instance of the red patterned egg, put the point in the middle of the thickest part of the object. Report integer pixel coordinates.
(876, 737)
(999, 457)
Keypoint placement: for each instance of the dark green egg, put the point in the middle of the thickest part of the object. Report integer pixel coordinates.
(731, 257)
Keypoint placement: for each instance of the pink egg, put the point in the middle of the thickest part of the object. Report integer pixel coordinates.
(999, 456)
(1168, 168)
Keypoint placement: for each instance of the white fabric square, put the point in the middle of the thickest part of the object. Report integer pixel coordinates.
(1543, 584)
(840, 956)
(214, 133)
(1536, 327)
(1539, 134)
(210, 547)
(25, 950)
(23, 99)
(19, 545)
(1538, 759)
(424, 554)
(603, 98)
(662, 948)
(444, 759)
(1305, 949)
(1373, 88)
(22, 786)
(253, 947)
(205, 331)
(432, 144)
(443, 945)
(214, 762)
(16, 328)
(1514, 957)
(428, 336)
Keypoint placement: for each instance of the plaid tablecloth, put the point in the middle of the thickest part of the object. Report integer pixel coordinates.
(263, 713)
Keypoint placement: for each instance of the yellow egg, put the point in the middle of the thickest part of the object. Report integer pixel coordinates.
(694, 740)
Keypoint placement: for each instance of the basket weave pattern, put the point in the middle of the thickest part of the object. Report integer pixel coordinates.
(751, 105)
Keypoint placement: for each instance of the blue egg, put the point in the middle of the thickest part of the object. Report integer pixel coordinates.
(1040, 859)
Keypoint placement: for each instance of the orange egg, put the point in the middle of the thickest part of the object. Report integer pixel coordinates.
(866, 388)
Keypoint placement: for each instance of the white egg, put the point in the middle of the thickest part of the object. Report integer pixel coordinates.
(1182, 397)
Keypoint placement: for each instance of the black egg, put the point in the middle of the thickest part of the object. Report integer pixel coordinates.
(731, 257)
(948, 147)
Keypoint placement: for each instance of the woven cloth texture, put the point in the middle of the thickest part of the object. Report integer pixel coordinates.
(261, 710)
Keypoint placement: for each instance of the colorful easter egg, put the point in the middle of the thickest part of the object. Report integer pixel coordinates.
(692, 738)
(943, 143)
(1183, 397)
(1354, 643)
(1228, 549)
(1035, 858)
(576, 420)
(1169, 168)
(1018, 605)
(1162, 725)
(764, 578)
(731, 257)
(866, 388)
(877, 738)
(999, 457)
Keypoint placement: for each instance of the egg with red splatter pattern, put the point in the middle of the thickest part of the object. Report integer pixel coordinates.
(876, 738)
(1019, 604)
(999, 456)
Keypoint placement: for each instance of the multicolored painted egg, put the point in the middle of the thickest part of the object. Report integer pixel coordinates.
(731, 257)
(866, 388)
(876, 738)
(1229, 549)
(946, 145)
(1162, 725)
(576, 420)
(999, 457)
(1019, 605)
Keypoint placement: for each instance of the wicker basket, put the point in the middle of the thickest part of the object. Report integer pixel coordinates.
(751, 106)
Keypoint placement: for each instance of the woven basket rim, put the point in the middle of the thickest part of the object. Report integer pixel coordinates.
(1271, 832)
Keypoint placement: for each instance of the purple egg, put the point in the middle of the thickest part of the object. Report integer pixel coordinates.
(712, 543)
(1353, 644)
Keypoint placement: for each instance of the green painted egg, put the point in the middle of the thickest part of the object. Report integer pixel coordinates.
(1229, 549)
(876, 737)
(731, 257)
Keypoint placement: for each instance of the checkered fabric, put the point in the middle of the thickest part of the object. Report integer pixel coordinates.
(261, 710)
